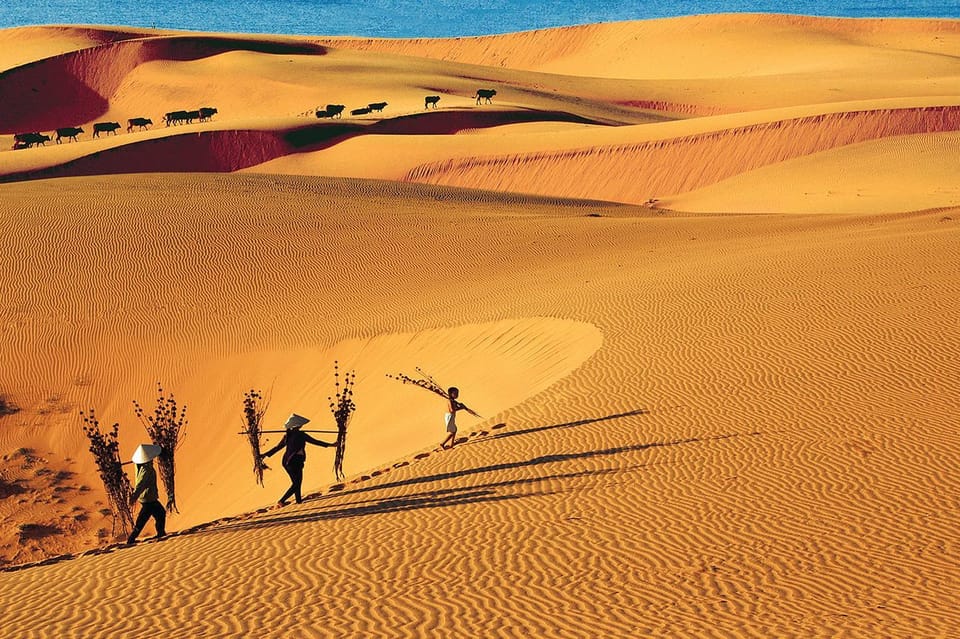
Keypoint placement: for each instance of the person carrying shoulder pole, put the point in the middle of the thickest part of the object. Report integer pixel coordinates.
(145, 491)
(295, 441)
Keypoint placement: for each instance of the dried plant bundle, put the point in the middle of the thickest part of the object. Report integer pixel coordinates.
(428, 383)
(106, 452)
(165, 426)
(342, 406)
(254, 408)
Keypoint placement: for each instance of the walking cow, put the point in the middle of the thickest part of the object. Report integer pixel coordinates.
(431, 100)
(26, 140)
(332, 111)
(377, 106)
(206, 113)
(105, 127)
(485, 94)
(142, 123)
(69, 132)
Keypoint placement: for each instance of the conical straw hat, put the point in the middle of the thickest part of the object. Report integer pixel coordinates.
(295, 421)
(145, 452)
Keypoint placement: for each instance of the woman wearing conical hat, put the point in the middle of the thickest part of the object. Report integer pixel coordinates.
(145, 491)
(295, 441)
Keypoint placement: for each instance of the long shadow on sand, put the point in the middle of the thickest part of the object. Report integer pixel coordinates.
(440, 498)
(579, 422)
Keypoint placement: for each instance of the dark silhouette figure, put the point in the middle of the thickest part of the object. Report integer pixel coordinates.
(485, 94)
(142, 123)
(69, 132)
(295, 442)
(193, 115)
(450, 417)
(105, 127)
(206, 113)
(431, 100)
(175, 117)
(331, 111)
(377, 106)
(26, 140)
(145, 491)
(360, 111)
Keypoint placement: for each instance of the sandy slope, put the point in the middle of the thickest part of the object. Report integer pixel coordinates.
(757, 442)
(854, 178)
(725, 413)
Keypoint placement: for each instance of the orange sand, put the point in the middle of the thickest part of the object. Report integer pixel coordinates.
(699, 276)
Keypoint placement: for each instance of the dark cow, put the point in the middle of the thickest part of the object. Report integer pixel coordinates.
(193, 115)
(431, 99)
(206, 113)
(69, 132)
(360, 111)
(175, 117)
(377, 106)
(26, 140)
(143, 123)
(105, 127)
(332, 111)
(485, 94)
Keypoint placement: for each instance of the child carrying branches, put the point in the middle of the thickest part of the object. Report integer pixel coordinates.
(450, 418)
(452, 394)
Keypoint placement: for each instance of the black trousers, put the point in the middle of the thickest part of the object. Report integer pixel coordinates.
(147, 510)
(294, 468)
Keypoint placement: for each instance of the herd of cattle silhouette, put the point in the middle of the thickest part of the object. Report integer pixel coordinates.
(203, 114)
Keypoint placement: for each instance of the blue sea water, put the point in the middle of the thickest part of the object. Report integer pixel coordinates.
(427, 18)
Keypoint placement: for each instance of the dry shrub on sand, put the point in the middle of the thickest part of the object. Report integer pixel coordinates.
(342, 406)
(165, 426)
(7, 407)
(106, 452)
(254, 408)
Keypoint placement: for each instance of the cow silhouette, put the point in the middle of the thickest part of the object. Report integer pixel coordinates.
(206, 113)
(26, 140)
(360, 111)
(377, 106)
(105, 127)
(331, 111)
(70, 132)
(176, 117)
(431, 99)
(485, 94)
(143, 123)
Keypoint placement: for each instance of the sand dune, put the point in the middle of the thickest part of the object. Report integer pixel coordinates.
(727, 412)
(680, 164)
(853, 179)
(752, 441)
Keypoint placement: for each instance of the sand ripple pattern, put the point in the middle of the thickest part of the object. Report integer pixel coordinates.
(762, 446)
(677, 165)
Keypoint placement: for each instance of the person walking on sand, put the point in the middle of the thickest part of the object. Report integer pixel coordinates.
(145, 490)
(295, 441)
(450, 418)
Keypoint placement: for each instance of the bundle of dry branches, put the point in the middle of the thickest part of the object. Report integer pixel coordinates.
(106, 452)
(428, 383)
(254, 408)
(165, 428)
(342, 407)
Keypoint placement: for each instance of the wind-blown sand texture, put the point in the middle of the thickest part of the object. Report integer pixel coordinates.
(700, 276)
